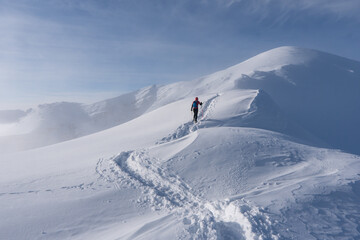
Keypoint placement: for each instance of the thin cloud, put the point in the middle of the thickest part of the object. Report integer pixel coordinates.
(336, 8)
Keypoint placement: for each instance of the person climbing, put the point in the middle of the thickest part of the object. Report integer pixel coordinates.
(195, 108)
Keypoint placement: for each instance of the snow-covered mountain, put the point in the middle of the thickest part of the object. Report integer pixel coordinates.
(317, 91)
(260, 164)
(56, 122)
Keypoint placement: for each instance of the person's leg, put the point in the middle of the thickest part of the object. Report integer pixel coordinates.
(195, 114)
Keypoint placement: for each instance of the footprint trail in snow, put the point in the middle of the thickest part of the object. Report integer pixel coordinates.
(202, 219)
(190, 127)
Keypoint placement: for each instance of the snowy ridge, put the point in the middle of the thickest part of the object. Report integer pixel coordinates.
(161, 190)
(190, 127)
(253, 108)
(293, 170)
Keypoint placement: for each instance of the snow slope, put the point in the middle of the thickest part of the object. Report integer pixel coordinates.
(247, 170)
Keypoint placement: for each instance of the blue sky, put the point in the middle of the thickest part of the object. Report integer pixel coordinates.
(87, 50)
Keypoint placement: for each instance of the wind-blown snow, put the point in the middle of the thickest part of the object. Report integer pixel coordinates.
(258, 165)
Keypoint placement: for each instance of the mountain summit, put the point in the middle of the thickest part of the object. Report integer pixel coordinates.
(319, 91)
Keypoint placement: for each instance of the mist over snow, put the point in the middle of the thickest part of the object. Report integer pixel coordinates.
(275, 155)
